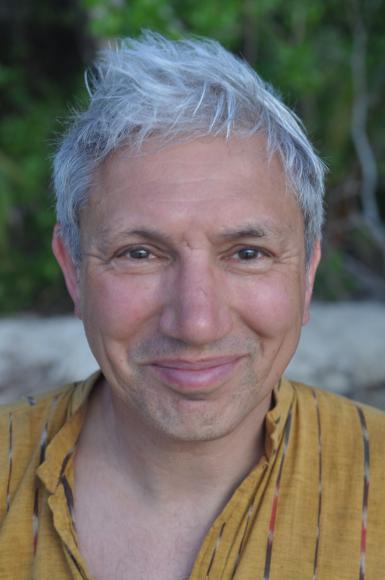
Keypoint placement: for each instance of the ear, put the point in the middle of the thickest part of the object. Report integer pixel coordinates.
(70, 271)
(310, 276)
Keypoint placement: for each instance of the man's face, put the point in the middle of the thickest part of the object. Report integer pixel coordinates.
(192, 286)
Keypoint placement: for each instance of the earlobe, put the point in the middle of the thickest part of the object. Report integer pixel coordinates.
(69, 269)
(310, 277)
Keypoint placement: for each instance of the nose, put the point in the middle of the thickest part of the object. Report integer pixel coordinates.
(196, 310)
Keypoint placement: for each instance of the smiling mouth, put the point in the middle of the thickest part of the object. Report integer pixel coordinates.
(196, 375)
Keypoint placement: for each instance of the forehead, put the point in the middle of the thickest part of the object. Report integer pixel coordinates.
(244, 160)
(212, 182)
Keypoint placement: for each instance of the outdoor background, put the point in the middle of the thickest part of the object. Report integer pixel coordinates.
(326, 57)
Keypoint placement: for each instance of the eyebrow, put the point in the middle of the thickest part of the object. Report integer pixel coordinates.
(245, 232)
(148, 234)
(252, 231)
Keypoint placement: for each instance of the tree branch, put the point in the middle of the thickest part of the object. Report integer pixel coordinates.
(360, 138)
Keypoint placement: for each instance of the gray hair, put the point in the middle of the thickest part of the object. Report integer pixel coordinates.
(153, 87)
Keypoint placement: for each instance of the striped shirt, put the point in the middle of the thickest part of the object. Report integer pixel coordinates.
(312, 508)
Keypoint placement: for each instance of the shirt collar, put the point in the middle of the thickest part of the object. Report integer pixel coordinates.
(283, 396)
(62, 445)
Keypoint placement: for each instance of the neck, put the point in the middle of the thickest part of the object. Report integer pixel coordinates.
(153, 466)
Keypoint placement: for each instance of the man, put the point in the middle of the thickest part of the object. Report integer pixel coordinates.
(189, 207)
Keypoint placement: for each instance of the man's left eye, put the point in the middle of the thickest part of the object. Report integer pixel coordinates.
(139, 253)
(246, 254)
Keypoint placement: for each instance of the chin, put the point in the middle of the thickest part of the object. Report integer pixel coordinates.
(196, 423)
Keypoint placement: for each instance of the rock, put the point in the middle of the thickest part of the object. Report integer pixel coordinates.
(341, 349)
(40, 354)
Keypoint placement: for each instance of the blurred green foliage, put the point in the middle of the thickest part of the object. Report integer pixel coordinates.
(37, 79)
(303, 49)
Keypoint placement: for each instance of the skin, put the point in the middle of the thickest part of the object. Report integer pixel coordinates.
(189, 254)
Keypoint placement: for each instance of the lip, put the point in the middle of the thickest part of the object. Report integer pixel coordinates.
(203, 374)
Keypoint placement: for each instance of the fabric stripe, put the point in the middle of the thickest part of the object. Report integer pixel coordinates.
(365, 436)
(216, 546)
(75, 562)
(67, 488)
(274, 509)
(67, 457)
(10, 460)
(35, 516)
(42, 450)
(69, 497)
(320, 484)
(248, 520)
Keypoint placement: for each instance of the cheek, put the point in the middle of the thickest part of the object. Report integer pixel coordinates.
(271, 307)
(117, 306)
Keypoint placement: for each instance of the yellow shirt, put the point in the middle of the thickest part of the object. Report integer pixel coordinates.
(312, 508)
